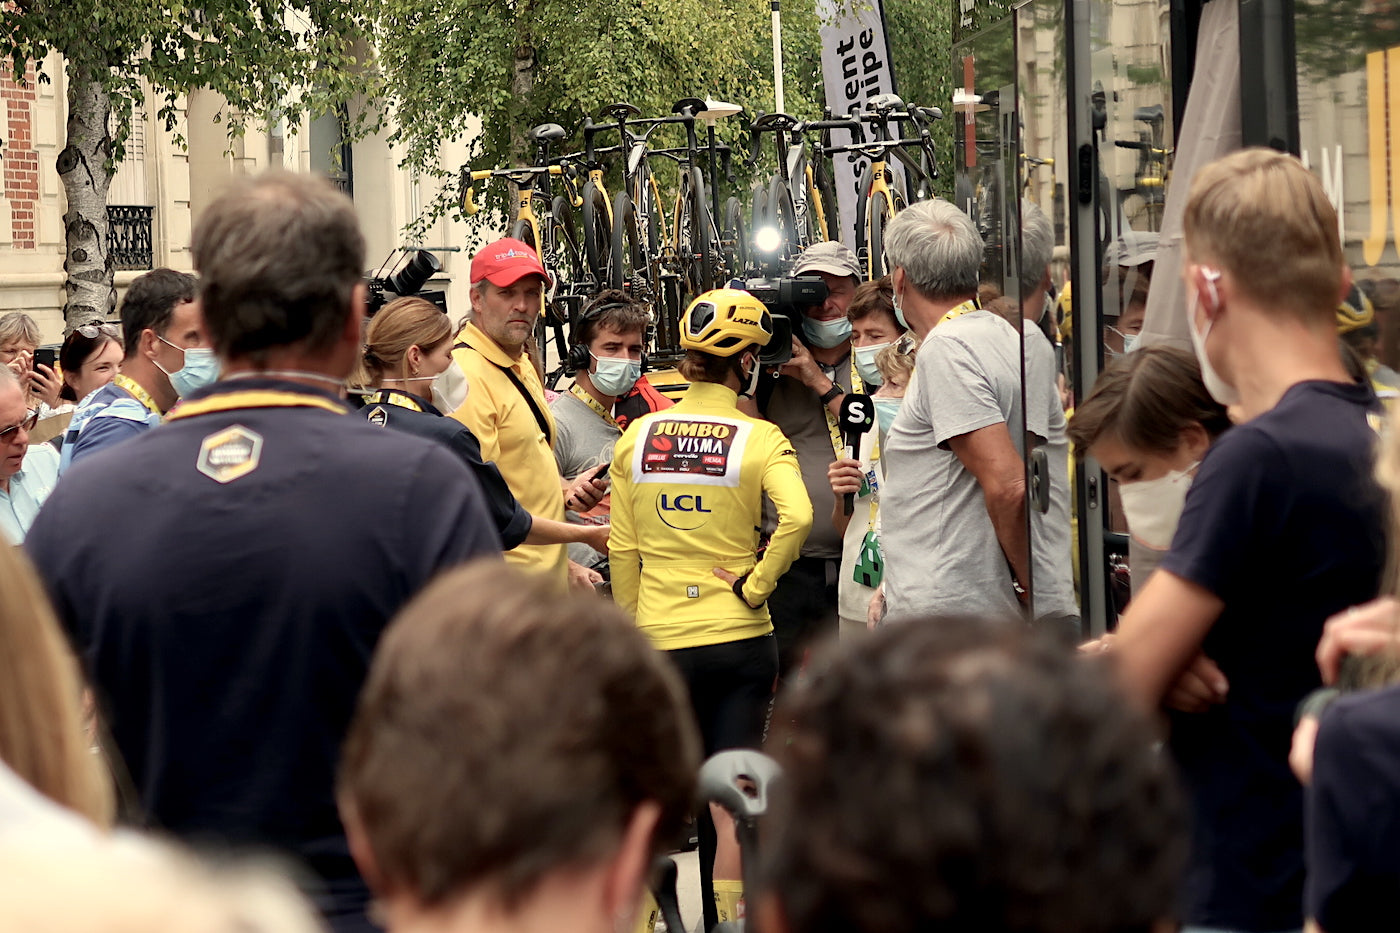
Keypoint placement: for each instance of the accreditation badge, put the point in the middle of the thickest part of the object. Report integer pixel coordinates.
(230, 454)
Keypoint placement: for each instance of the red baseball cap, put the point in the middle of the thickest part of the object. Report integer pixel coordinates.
(505, 262)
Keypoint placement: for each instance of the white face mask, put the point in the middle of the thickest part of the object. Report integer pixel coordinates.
(1219, 389)
(1153, 507)
(450, 389)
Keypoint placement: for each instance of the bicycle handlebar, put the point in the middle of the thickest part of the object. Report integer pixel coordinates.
(517, 175)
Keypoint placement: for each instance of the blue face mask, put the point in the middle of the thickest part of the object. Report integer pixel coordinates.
(201, 369)
(615, 375)
(899, 312)
(827, 334)
(865, 363)
(885, 410)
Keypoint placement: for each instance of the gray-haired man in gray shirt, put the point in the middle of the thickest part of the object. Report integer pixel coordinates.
(953, 509)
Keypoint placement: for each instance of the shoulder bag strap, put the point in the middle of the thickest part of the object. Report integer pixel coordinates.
(529, 396)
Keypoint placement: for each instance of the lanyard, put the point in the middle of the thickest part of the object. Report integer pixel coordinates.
(252, 398)
(594, 404)
(398, 399)
(140, 394)
(967, 307)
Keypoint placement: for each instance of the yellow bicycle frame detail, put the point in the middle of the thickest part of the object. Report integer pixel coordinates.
(877, 183)
(814, 203)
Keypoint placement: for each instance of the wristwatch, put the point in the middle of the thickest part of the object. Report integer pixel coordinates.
(832, 393)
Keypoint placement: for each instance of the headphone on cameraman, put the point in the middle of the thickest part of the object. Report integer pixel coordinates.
(578, 352)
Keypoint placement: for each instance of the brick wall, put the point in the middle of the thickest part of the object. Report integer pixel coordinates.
(20, 161)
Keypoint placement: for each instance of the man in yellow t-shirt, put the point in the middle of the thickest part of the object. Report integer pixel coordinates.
(506, 408)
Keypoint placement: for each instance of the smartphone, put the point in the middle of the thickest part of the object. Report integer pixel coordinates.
(46, 355)
(603, 473)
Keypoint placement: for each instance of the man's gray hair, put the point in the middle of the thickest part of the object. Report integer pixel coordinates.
(1037, 246)
(8, 377)
(938, 248)
(20, 327)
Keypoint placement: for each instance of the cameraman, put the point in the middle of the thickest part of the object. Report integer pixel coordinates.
(804, 401)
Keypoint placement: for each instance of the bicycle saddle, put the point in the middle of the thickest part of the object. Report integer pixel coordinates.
(688, 105)
(547, 132)
(619, 111)
(931, 113)
(1153, 114)
(775, 121)
(884, 103)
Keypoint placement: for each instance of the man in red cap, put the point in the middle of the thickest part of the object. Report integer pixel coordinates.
(506, 407)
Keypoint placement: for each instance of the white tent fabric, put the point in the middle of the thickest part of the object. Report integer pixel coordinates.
(1210, 128)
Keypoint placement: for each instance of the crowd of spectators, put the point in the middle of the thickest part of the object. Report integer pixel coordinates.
(362, 651)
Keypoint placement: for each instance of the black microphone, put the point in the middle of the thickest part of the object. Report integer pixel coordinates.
(857, 417)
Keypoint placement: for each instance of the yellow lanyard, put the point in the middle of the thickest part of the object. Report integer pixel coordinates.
(399, 399)
(593, 403)
(252, 398)
(140, 394)
(967, 307)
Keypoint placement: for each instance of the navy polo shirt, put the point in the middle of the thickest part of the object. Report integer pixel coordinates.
(513, 523)
(1284, 523)
(1353, 814)
(225, 578)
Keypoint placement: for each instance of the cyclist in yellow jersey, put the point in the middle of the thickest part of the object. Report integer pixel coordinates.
(689, 482)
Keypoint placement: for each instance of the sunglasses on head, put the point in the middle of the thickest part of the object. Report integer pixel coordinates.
(90, 331)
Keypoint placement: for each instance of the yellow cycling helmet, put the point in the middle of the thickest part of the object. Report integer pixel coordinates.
(1355, 311)
(724, 321)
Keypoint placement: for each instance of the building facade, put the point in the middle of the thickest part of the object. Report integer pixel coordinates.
(160, 188)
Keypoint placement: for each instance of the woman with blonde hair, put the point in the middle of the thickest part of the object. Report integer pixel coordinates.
(42, 737)
(407, 366)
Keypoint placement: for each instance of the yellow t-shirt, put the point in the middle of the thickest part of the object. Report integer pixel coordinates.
(502, 421)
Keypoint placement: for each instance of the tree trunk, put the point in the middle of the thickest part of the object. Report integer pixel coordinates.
(82, 165)
(522, 87)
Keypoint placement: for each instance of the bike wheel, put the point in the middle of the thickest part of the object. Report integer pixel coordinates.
(648, 208)
(826, 190)
(695, 234)
(782, 216)
(561, 261)
(597, 234)
(626, 244)
(736, 239)
(880, 213)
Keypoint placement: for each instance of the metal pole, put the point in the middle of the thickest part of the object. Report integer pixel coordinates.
(777, 56)
(714, 180)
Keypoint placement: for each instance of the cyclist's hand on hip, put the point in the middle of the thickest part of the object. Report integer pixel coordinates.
(845, 477)
(730, 579)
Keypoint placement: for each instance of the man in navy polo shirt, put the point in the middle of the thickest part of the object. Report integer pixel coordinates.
(226, 576)
(1282, 528)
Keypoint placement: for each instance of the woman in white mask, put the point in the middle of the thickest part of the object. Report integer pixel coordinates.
(1148, 422)
(882, 362)
(411, 384)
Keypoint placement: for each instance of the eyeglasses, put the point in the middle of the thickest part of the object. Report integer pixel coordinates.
(31, 418)
(90, 331)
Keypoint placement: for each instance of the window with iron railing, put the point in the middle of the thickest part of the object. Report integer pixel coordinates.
(129, 236)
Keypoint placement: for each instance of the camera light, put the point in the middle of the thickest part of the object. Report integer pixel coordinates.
(767, 239)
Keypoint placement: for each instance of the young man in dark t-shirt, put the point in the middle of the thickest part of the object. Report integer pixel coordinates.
(1282, 528)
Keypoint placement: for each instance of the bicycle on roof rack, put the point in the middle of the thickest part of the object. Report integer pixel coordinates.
(882, 196)
(799, 199)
